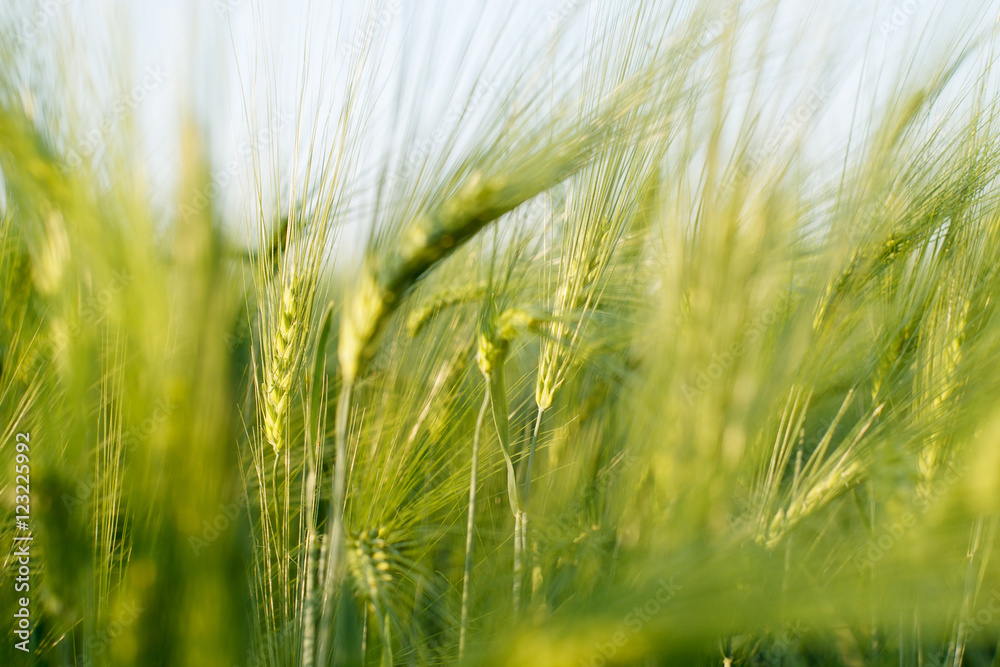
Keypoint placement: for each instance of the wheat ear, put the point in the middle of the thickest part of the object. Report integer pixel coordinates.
(436, 234)
(423, 313)
(280, 367)
(376, 563)
(431, 238)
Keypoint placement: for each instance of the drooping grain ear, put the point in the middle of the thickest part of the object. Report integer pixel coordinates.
(491, 183)
(433, 237)
(423, 313)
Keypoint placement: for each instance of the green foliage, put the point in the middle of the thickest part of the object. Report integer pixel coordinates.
(685, 411)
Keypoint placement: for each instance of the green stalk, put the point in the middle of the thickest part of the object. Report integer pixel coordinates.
(387, 657)
(498, 400)
(527, 478)
(470, 526)
(314, 444)
(309, 612)
(336, 517)
(531, 457)
(518, 566)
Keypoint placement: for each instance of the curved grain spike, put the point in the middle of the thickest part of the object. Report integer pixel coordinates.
(436, 235)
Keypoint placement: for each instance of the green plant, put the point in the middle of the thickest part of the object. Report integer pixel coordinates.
(633, 369)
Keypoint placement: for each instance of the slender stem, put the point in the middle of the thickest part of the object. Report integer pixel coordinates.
(387, 657)
(364, 637)
(518, 522)
(498, 398)
(531, 457)
(309, 614)
(470, 526)
(523, 537)
(969, 594)
(336, 519)
(312, 564)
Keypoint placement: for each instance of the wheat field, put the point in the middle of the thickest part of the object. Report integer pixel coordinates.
(608, 349)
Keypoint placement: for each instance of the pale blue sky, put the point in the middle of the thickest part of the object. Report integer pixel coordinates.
(231, 59)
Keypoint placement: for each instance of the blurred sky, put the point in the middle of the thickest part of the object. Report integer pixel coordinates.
(246, 66)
